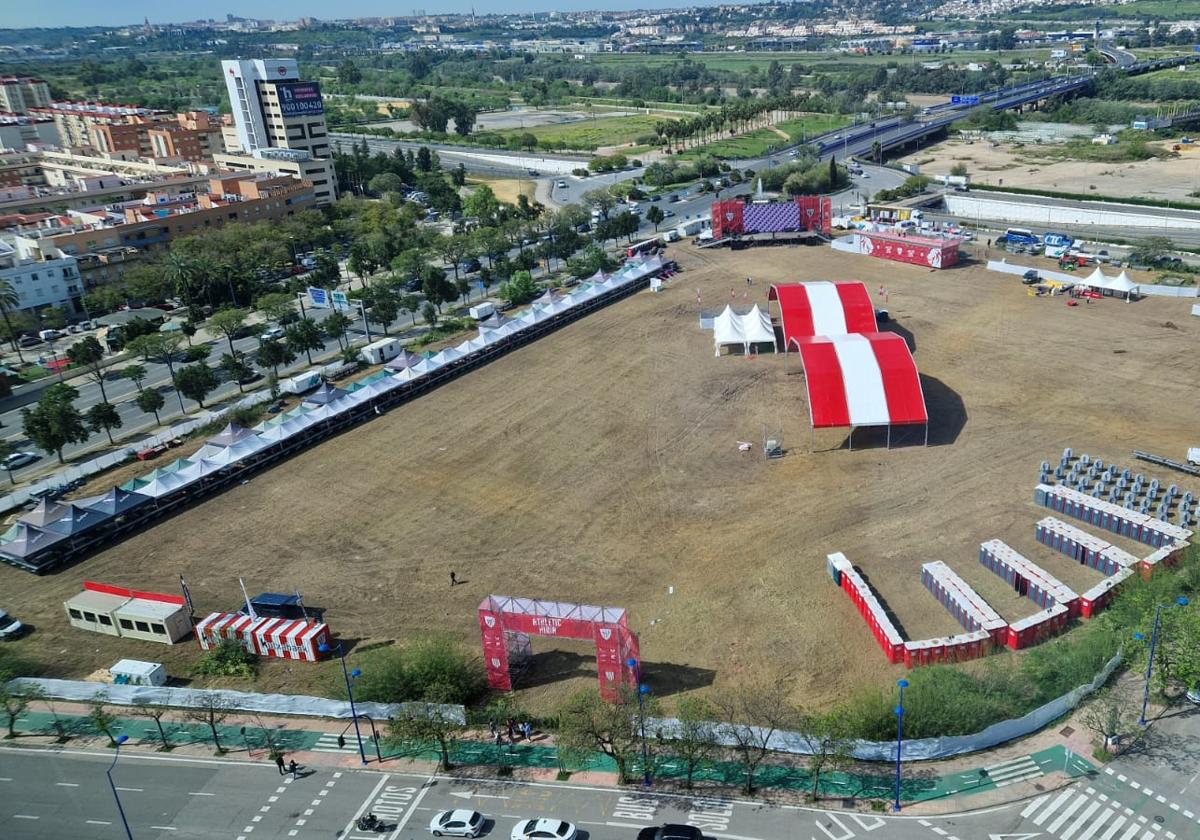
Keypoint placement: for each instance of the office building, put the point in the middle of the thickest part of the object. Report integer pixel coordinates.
(279, 124)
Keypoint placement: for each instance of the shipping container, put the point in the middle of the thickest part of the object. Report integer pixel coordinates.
(378, 352)
(280, 638)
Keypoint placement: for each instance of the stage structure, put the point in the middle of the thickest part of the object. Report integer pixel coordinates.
(506, 624)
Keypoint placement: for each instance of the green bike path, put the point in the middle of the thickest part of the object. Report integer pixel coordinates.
(917, 783)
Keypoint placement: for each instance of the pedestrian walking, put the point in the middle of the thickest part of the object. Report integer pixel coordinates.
(511, 726)
(492, 727)
(749, 281)
(528, 731)
(989, 243)
(279, 763)
(499, 740)
(294, 768)
(453, 579)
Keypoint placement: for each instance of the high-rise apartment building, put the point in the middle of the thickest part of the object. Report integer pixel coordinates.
(279, 121)
(20, 93)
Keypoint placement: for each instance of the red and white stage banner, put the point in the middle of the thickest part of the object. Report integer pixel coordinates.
(281, 638)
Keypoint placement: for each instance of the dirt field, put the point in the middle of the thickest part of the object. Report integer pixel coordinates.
(506, 189)
(1173, 178)
(601, 465)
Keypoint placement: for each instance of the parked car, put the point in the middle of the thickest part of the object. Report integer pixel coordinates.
(1030, 277)
(460, 822)
(670, 831)
(673, 197)
(544, 828)
(562, 185)
(19, 459)
(1193, 695)
(533, 173)
(10, 628)
(468, 266)
(274, 334)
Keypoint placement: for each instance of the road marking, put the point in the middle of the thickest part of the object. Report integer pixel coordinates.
(362, 809)
(324, 792)
(1120, 778)
(97, 822)
(1052, 807)
(65, 784)
(337, 775)
(1083, 817)
(1134, 828)
(1159, 798)
(25, 817)
(408, 814)
(131, 790)
(1098, 823)
(5, 779)
(264, 809)
(199, 793)
(1029, 809)
(1062, 818)
(939, 831)
(164, 827)
(293, 832)
(1174, 807)
(256, 818)
(621, 825)
(1135, 785)
(1108, 835)
(1188, 814)
(308, 812)
(281, 789)
(316, 802)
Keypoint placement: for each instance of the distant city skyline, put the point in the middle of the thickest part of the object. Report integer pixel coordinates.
(127, 12)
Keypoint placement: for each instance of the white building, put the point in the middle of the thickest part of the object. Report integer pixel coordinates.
(40, 283)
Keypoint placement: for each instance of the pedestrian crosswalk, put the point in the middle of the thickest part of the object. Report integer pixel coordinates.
(1087, 815)
(328, 742)
(1011, 772)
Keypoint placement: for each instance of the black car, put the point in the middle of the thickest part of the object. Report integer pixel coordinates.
(670, 831)
(1030, 277)
(467, 266)
(413, 285)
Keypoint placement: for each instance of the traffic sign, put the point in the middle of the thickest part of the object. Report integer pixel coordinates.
(340, 301)
(319, 298)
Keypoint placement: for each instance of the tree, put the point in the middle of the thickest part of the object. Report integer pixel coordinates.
(104, 415)
(10, 302)
(136, 374)
(436, 721)
(520, 289)
(89, 353)
(144, 708)
(304, 336)
(587, 723)
(959, 169)
(348, 72)
(151, 402)
(14, 704)
(234, 366)
(832, 744)
(227, 322)
(272, 354)
(384, 310)
(529, 141)
(411, 304)
(385, 182)
(335, 326)
(210, 709)
(55, 421)
(101, 718)
(695, 739)
(1110, 713)
(53, 317)
(160, 346)
(601, 200)
(277, 306)
(750, 715)
(196, 382)
(430, 314)
(482, 205)
(326, 268)
(655, 215)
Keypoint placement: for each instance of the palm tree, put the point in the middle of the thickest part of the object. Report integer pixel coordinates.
(9, 302)
(181, 272)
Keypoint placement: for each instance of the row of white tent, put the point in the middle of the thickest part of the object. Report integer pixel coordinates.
(753, 327)
(235, 444)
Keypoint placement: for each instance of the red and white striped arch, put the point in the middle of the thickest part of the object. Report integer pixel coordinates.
(823, 307)
(863, 379)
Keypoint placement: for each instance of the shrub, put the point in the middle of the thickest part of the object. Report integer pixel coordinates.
(227, 659)
(392, 675)
(196, 353)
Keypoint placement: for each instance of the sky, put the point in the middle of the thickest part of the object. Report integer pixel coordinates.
(14, 13)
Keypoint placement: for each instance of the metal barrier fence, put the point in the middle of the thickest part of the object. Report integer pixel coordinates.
(21, 496)
(1168, 291)
(922, 749)
(231, 701)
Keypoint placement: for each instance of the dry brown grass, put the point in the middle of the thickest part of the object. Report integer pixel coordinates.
(601, 465)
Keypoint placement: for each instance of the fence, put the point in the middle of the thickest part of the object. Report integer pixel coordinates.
(923, 749)
(1168, 291)
(19, 497)
(232, 701)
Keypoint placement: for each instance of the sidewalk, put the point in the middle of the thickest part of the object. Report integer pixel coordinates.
(949, 786)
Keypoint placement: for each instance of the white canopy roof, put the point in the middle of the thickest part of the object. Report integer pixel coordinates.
(753, 327)
(1122, 283)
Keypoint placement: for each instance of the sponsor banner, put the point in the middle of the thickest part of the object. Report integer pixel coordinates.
(300, 99)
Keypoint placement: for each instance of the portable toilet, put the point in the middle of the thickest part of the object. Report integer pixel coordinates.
(136, 672)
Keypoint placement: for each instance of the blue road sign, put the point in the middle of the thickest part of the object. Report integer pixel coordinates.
(319, 298)
(340, 301)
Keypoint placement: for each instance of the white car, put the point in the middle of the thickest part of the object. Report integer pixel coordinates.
(1193, 695)
(457, 823)
(10, 628)
(274, 334)
(544, 828)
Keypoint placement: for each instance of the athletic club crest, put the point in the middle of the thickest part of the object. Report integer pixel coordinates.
(495, 662)
(865, 244)
(729, 215)
(934, 258)
(490, 621)
(605, 633)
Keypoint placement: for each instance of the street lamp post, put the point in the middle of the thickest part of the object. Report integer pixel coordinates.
(1180, 601)
(643, 690)
(899, 740)
(121, 739)
(324, 648)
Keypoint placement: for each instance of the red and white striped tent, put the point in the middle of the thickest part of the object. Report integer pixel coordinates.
(823, 307)
(282, 638)
(864, 379)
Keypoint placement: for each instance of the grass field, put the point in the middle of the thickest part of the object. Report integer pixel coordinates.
(592, 133)
(761, 141)
(601, 465)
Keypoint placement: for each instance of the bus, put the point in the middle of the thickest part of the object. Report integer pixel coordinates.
(1021, 236)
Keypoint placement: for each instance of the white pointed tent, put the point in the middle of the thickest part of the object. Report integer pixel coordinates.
(754, 327)
(1122, 284)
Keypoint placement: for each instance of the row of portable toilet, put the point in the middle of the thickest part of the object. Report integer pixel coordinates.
(1026, 577)
(1097, 597)
(1083, 547)
(885, 633)
(966, 605)
(960, 648)
(1111, 517)
(1167, 555)
(1042, 624)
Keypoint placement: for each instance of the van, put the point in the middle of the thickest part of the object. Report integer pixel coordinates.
(49, 335)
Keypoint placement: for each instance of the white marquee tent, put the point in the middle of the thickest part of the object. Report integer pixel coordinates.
(754, 327)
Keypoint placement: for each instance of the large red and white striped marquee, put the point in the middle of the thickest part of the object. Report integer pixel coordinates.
(863, 379)
(823, 307)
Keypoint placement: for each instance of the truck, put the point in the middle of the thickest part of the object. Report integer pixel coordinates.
(378, 352)
(302, 383)
(480, 311)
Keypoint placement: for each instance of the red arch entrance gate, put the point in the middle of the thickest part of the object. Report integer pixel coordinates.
(507, 623)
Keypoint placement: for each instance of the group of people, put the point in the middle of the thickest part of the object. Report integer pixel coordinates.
(516, 731)
(290, 767)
